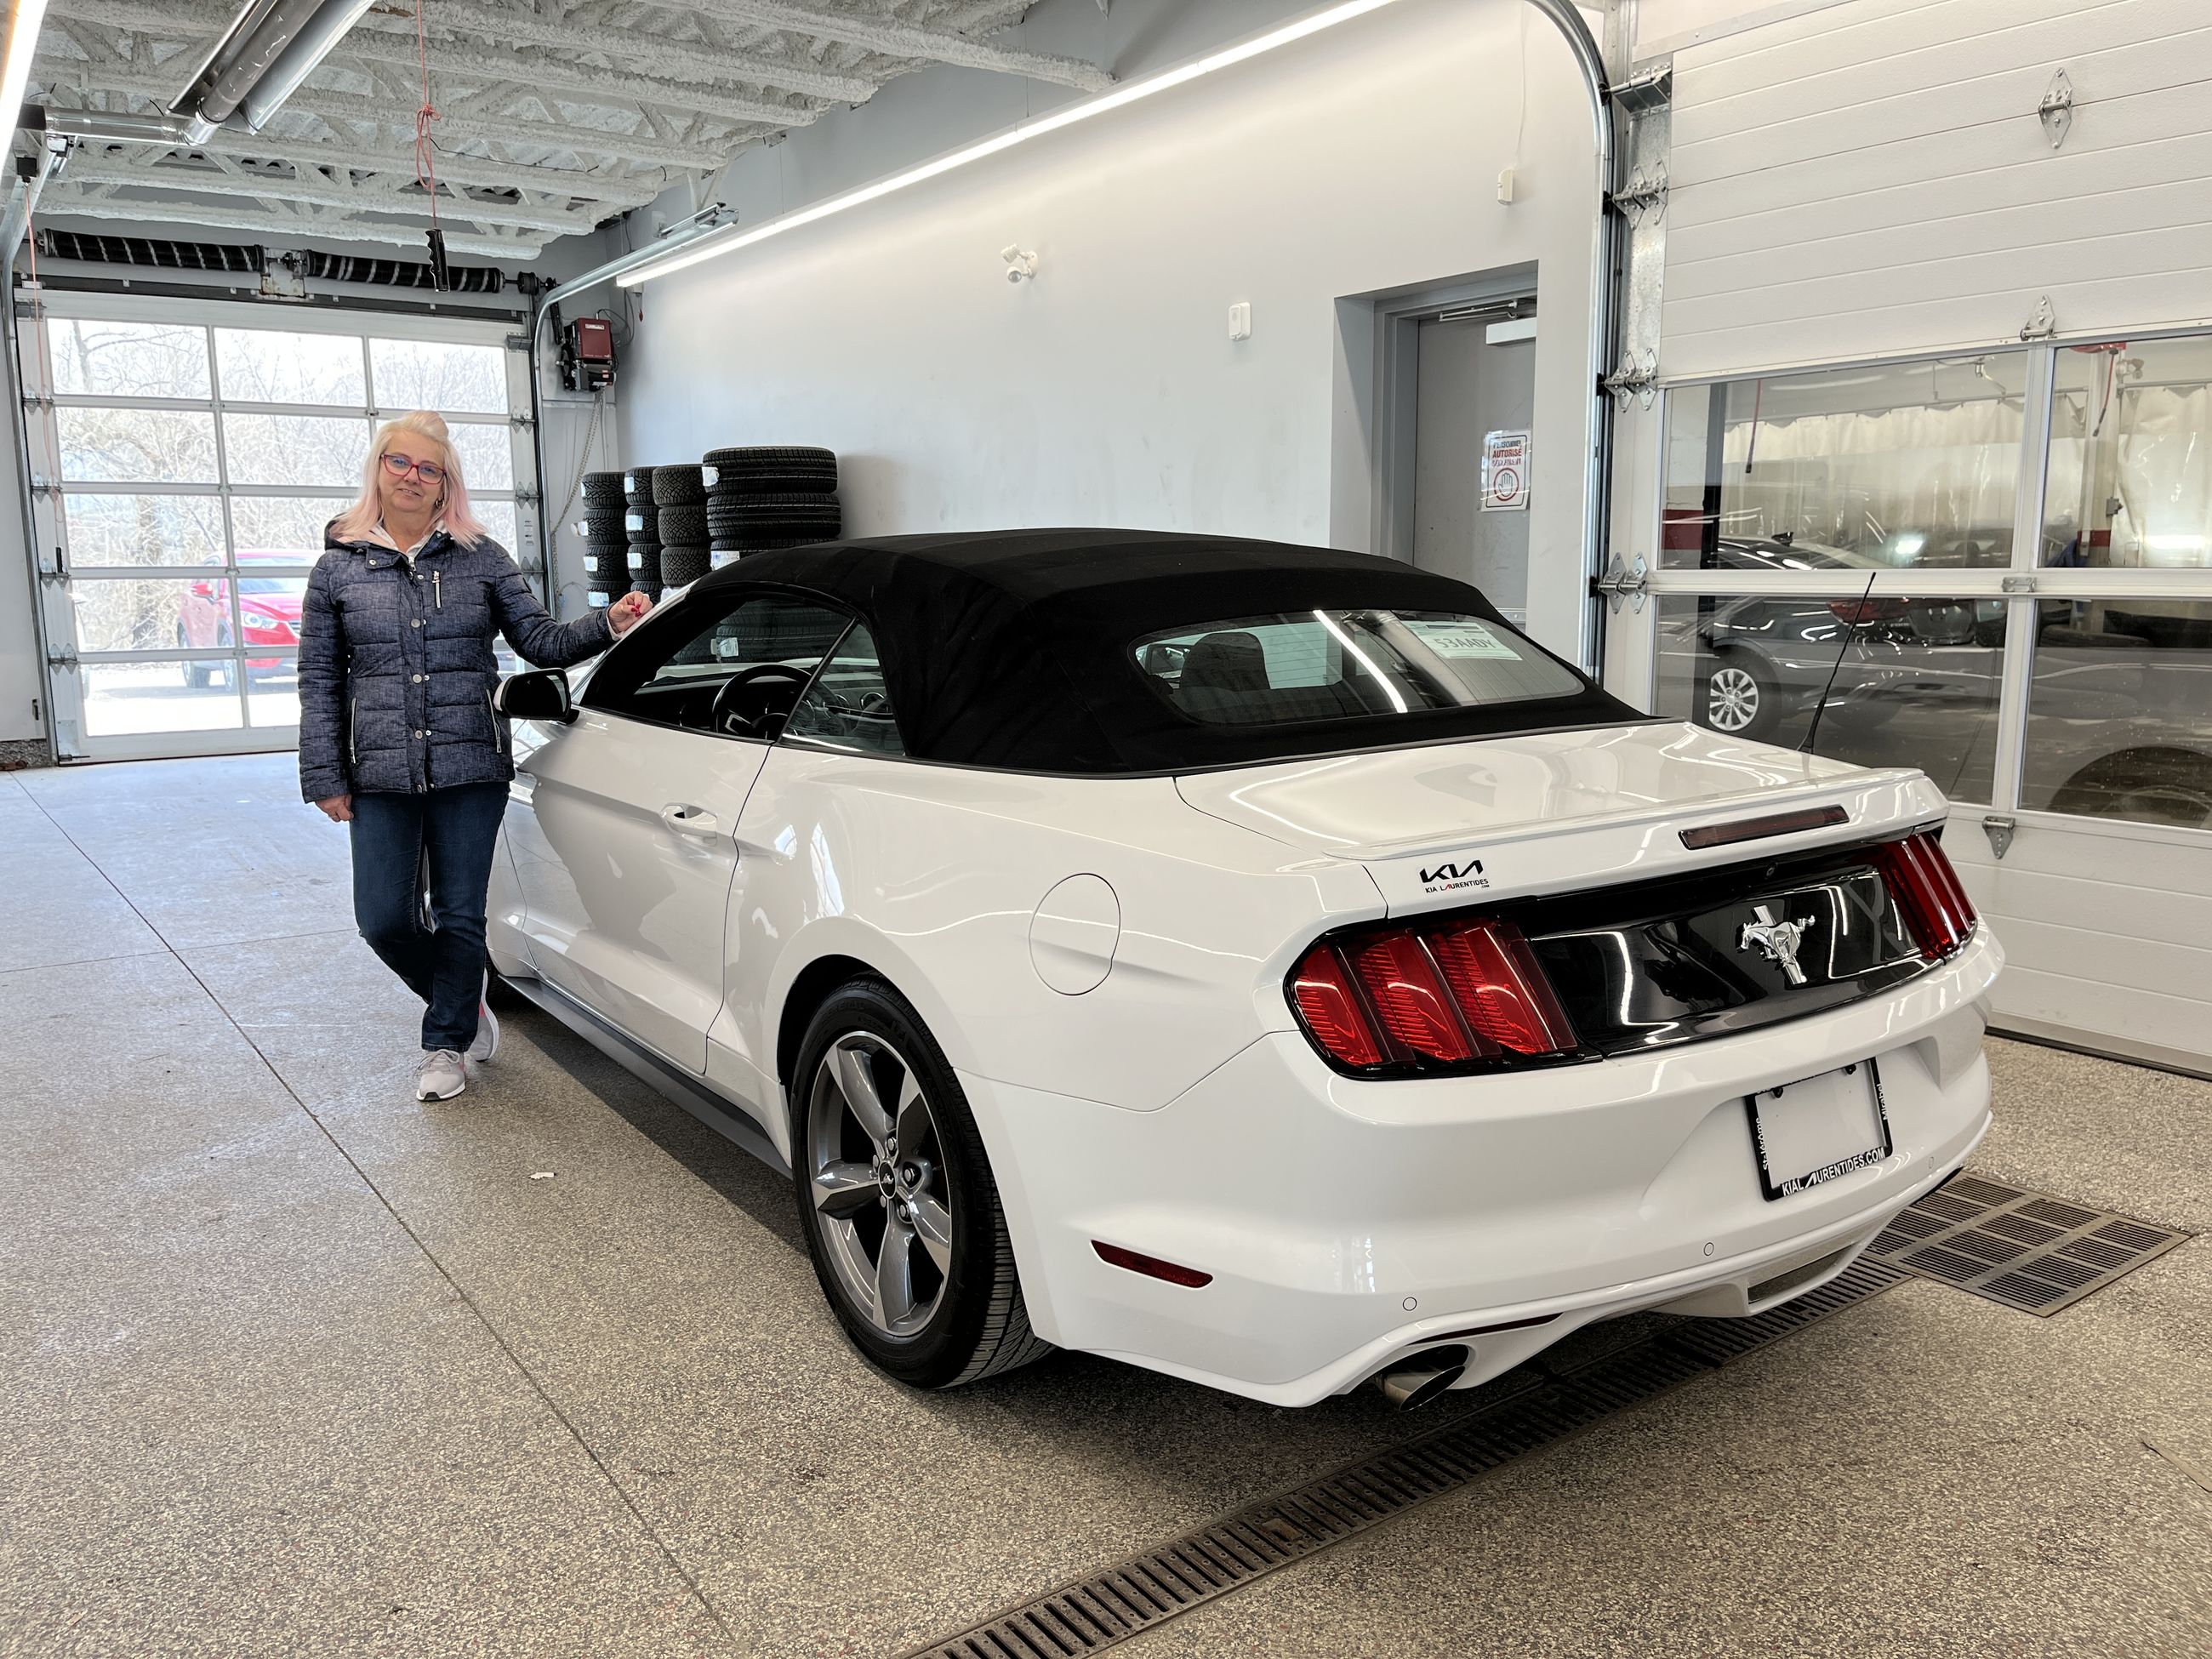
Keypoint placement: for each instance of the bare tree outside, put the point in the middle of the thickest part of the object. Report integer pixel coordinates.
(261, 365)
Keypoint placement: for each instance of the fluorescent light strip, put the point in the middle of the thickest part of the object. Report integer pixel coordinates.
(22, 42)
(712, 247)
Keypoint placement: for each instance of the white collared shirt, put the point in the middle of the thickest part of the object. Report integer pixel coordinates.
(380, 534)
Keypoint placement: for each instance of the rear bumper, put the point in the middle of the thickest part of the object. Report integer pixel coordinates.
(1345, 1223)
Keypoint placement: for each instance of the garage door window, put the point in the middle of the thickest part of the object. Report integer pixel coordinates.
(197, 464)
(2131, 483)
(1899, 466)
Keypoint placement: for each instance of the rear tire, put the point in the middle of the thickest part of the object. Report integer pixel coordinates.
(1737, 698)
(887, 1162)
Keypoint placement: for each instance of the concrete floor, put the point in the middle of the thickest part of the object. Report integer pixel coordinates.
(292, 1364)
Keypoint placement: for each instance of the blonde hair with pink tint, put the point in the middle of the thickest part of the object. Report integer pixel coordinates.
(357, 521)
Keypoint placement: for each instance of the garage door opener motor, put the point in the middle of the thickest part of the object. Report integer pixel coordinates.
(587, 352)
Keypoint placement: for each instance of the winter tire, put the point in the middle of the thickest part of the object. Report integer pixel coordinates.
(643, 524)
(680, 566)
(896, 1199)
(675, 486)
(637, 485)
(686, 525)
(645, 563)
(603, 490)
(752, 470)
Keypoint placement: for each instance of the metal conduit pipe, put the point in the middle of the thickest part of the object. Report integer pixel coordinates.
(1604, 310)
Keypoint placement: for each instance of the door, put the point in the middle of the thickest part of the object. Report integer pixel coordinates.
(622, 830)
(1476, 405)
(185, 457)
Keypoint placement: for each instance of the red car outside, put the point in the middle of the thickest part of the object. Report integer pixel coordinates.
(268, 614)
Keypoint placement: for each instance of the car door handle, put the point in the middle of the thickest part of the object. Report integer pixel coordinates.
(687, 820)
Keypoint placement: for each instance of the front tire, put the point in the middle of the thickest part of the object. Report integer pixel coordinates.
(896, 1199)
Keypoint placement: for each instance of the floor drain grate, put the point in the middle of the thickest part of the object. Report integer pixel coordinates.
(1126, 1600)
(2028, 1250)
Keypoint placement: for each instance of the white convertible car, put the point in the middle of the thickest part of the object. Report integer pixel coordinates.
(1255, 963)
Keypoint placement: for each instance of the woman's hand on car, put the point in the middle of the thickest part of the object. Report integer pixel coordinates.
(627, 611)
(338, 809)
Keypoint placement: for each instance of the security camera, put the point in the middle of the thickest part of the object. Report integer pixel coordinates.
(1021, 262)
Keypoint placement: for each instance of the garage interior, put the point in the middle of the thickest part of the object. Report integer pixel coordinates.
(1907, 340)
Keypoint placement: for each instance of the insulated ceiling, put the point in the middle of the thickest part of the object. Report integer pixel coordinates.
(552, 118)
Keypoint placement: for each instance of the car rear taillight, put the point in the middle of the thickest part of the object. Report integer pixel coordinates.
(1859, 612)
(1445, 994)
(1925, 889)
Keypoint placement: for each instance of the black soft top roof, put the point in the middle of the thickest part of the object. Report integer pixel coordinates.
(1011, 649)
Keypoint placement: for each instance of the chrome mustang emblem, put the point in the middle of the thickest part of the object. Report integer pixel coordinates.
(1777, 939)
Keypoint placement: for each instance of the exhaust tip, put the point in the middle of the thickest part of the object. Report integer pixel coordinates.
(1420, 1378)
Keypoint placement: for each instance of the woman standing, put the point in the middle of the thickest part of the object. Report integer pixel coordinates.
(399, 738)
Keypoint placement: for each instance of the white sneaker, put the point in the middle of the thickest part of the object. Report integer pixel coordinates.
(442, 1074)
(487, 1043)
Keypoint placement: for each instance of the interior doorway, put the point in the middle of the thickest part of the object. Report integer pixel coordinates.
(1475, 404)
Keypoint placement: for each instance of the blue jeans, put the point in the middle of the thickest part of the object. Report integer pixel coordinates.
(455, 832)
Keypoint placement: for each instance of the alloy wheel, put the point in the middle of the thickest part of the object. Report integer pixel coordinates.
(1731, 700)
(875, 1168)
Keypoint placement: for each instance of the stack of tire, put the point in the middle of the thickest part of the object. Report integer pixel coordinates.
(679, 496)
(765, 497)
(642, 523)
(606, 541)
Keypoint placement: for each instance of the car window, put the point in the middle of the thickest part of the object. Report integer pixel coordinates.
(1341, 665)
(849, 704)
(732, 664)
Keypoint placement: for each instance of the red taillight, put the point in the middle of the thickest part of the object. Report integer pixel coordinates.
(1862, 611)
(1331, 1011)
(1408, 996)
(1456, 991)
(1502, 990)
(1925, 889)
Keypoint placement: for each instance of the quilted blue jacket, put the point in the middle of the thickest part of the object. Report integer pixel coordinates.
(395, 665)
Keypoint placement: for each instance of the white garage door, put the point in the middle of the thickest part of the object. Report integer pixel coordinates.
(2000, 547)
(185, 456)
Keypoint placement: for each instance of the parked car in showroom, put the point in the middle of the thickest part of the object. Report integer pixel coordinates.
(1757, 663)
(1256, 963)
(267, 613)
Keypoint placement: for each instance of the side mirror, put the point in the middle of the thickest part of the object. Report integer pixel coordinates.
(542, 695)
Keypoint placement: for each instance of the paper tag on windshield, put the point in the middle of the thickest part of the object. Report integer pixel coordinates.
(1463, 639)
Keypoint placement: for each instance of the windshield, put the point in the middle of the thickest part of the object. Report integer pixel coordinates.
(1332, 665)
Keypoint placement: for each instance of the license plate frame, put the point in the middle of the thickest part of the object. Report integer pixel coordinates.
(1790, 1186)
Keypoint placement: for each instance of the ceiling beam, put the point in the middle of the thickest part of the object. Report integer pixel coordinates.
(608, 88)
(467, 63)
(465, 171)
(332, 107)
(684, 59)
(66, 199)
(315, 191)
(879, 33)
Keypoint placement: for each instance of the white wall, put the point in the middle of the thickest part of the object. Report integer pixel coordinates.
(1107, 391)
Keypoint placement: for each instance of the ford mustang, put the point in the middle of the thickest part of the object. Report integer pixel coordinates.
(1260, 963)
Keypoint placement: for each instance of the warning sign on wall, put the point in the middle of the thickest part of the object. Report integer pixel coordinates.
(1505, 472)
